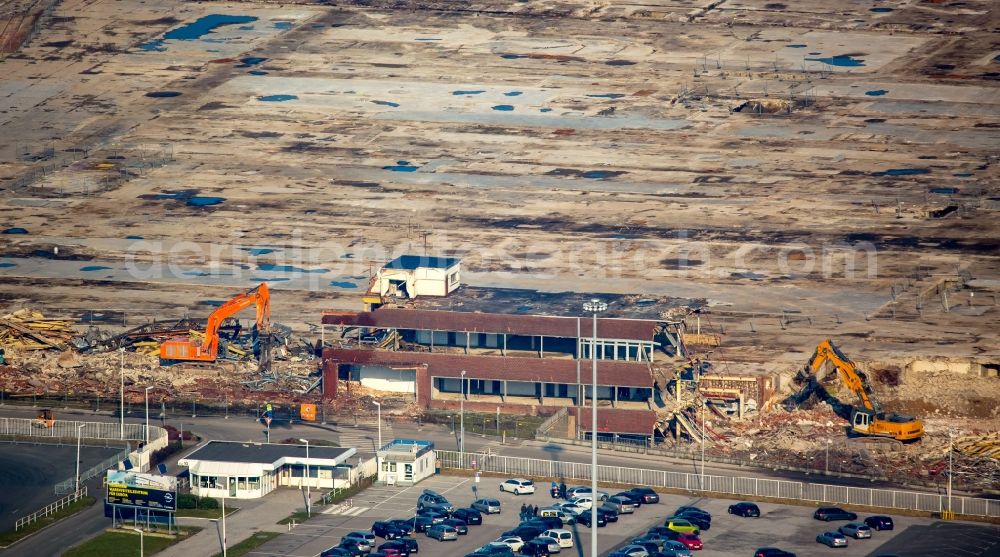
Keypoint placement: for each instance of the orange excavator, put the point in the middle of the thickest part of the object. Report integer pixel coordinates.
(868, 419)
(208, 349)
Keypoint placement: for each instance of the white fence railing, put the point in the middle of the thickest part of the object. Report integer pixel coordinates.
(759, 487)
(49, 509)
(63, 431)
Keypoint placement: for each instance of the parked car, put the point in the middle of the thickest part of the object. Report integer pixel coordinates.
(564, 537)
(857, 530)
(623, 505)
(745, 509)
(487, 505)
(636, 500)
(514, 542)
(563, 516)
(365, 539)
(553, 543)
(434, 501)
(459, 525)
(832, 539)
(610, 515)
(584, 501)
(651, 547)
(772, 552)
(681, 525)
(879, 522)
(688, 509)
(571, 508)
(634, 551)
(675, 549)
(833, 513)
(526, 531)
(421, 523)
(536, 548)
(353, 548)
(399, 545)
(435, 516)
(518, 486)
(402, 524)
(646, 494)
(586, 519)
(689, 540)
(385, 553)
(442, 532)
(335, 552)
(387, 530)
(702, 521)
(580, 491)
(547, 522)
(471, 516)
(494, 549)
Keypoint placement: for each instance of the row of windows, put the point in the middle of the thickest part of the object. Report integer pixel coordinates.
(243, 483)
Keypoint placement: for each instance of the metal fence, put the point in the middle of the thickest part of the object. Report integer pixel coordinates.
(50, 508)
(67, 486)
(735, 485)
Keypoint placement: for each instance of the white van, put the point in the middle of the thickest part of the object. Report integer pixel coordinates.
(564, 537)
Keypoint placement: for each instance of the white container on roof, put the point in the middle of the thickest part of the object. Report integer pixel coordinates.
(410, 276)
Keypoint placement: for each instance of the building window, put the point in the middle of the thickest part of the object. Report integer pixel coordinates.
(253, 482)
(241, 483)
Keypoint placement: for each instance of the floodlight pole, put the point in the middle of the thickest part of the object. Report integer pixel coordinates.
(308, 500)
(594, 306)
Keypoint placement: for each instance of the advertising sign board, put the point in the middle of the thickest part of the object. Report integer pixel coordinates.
(147, 491)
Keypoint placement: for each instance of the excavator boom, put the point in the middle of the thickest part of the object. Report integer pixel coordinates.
(208, 349)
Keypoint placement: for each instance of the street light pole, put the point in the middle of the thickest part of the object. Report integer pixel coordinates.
(308, 500)
(594, 306)
(951, 451)
(828, 443)
(461, 402)
(379, 406)
(79, 430)
(121, 369)
(704, 433)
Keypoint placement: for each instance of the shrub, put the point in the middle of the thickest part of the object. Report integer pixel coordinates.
(187, 501)
(208, 503)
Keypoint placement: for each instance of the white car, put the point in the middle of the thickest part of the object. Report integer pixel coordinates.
(571, 508)
(584, 490)
(513, 542)
(518, 486)
(584, 501)
(564, 537)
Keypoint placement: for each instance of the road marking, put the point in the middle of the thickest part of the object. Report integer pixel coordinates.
(344, 510)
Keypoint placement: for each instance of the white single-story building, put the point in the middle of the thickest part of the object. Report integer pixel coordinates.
(250, 470)
(406, 462)
(410, 276)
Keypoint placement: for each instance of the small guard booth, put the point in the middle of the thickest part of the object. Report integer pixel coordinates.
(250, 470)
(405, 462)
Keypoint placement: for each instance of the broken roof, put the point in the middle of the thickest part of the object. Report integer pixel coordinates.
(411, 262)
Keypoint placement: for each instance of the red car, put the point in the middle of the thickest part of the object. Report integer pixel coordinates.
(690, 540)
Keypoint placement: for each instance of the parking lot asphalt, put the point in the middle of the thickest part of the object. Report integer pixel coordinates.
(788, 527)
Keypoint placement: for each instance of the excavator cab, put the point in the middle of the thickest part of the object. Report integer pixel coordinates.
(45, 419)
(860, 420)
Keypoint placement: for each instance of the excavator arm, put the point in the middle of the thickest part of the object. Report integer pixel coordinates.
(208, 349)
(848, 371)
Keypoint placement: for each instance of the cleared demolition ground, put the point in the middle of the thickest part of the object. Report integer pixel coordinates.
(799, 171)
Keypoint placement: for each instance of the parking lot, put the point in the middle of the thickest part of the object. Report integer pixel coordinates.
(789, 527)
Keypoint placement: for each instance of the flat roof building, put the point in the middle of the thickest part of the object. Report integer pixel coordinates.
(251, 470)
(405, 462)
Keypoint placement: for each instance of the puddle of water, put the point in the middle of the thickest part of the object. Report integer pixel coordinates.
(259, 251)
(212, 303)
(7, 264)
(523, 309)
(270, 267)
(91, 268)
(796, 46)
(134, 238)
(427, 39)
(283, 25)
(513, 94)
(620, 63)
(277, 98)
(876, 93)
(607, 96)
(205, 25)
(401, 166)
(962, 174)
(257, 72)
(874, 120)
(199, 201)
(163, 94)
(944, 191)
(545, 110)
(841, 60)
(251, 61)
(342, 284)
(601, 174)
(513, 56)
(880, 10)
(197, 273)
(155, 45)
(460, 92)
(903, 172)
(15, 230)
(503, 107)
(272, 279)
(386, 103)
(245, 27)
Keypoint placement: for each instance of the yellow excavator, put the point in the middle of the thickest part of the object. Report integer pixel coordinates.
(868, 419)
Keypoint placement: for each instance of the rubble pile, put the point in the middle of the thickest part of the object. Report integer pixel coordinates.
(31, 330)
